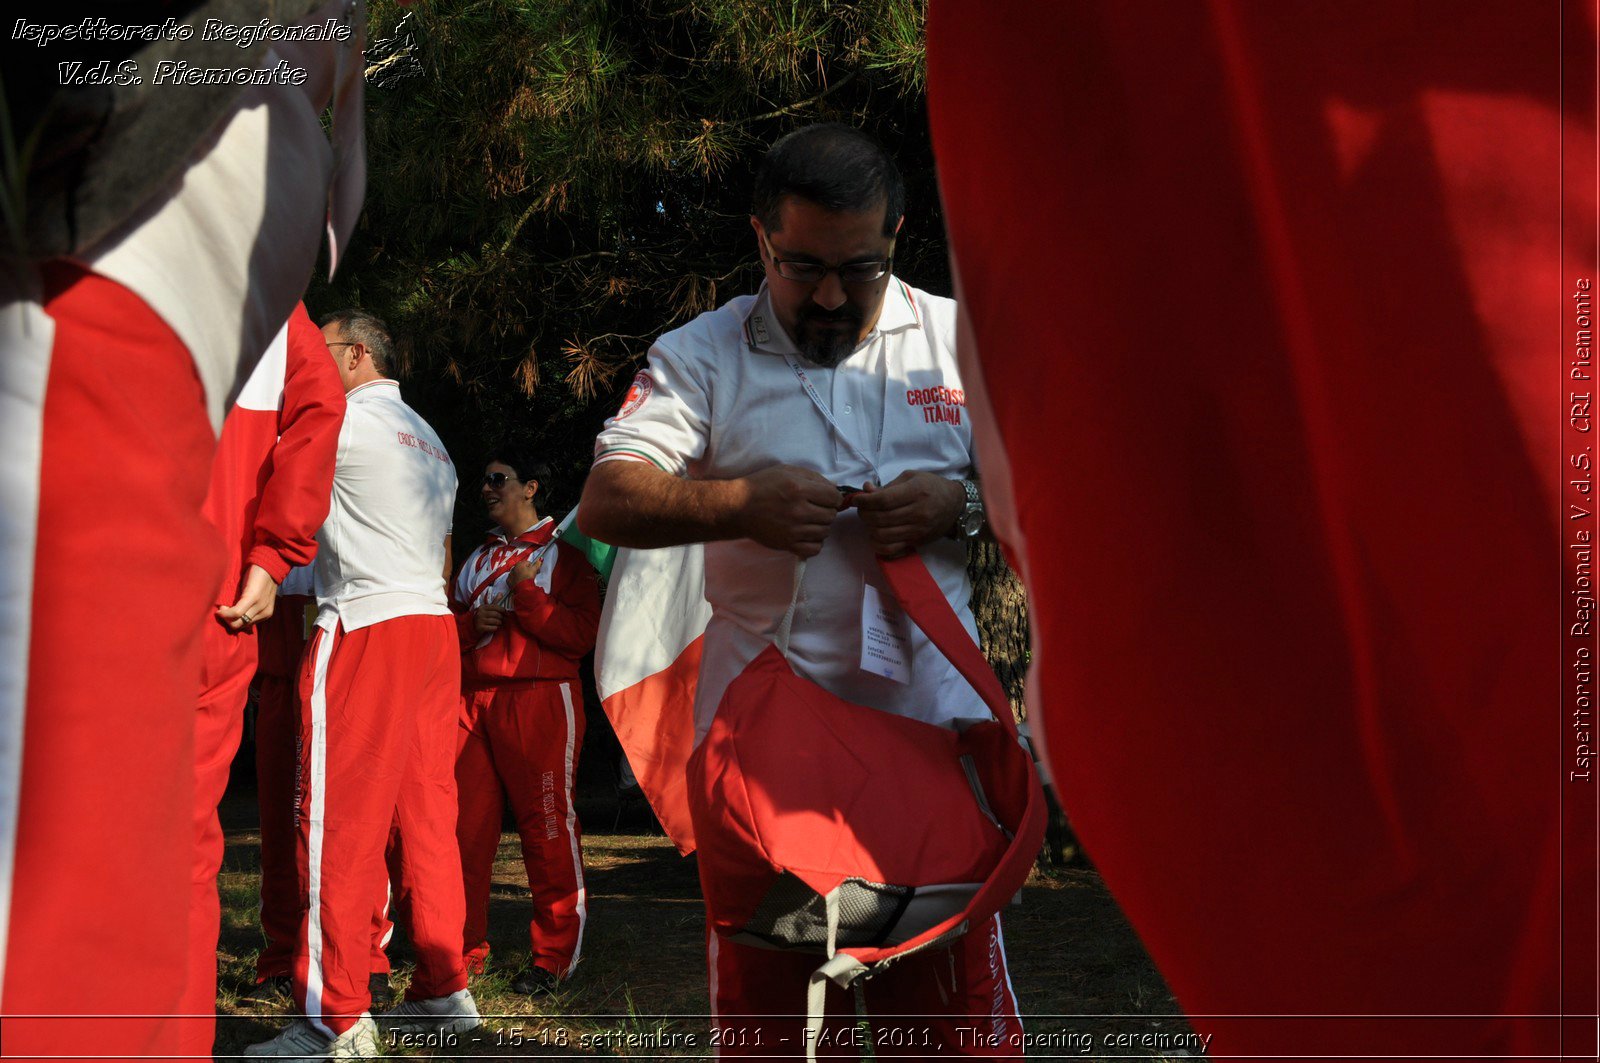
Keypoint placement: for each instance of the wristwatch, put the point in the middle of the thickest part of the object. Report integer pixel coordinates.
(970, 522)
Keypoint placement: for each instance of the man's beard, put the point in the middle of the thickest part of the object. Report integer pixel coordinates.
(827, 346)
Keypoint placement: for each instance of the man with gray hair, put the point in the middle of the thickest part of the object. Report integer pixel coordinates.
(379, 687)
(362, 334)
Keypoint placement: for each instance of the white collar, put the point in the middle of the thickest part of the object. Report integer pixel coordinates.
(353, 392)
(501, 532)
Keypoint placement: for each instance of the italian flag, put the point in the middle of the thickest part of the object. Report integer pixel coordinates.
(647, 662)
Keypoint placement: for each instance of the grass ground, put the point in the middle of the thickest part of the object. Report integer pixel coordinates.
(1083, 979)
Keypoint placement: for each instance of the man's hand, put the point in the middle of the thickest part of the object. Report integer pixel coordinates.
(258, 596)
(486, 620)
(914, 508)
(789, 508)
(635, 504)
(525, 569)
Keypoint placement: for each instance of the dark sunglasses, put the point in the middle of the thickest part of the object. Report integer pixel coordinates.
(496, 480)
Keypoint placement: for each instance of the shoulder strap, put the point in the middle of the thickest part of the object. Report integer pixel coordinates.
(926, 605)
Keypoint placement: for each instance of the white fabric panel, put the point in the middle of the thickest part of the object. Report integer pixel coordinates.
(264, 390)
(317, 814)
(27, 335)
(570, 781)
(225, 289)
(655, 606)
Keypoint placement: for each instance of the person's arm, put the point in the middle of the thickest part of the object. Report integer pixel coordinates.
(466, 626)
(639, 493)
(258, 599)
(635, 504)
(568, 617)
(298, 492)
(296, 496)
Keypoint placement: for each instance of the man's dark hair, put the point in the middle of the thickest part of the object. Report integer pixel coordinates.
(358, 326)
(835, 166)
(524, 464)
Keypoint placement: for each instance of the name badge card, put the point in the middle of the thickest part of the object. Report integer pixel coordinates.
(885, 637)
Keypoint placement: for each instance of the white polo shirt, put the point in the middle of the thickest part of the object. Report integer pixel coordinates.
(380, 554)
(720, 399)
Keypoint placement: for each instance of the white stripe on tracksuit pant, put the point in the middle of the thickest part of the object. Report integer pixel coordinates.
(378, 712)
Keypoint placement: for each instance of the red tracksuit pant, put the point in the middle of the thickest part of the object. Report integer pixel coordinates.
(954, 1001)
(377, 715)
(520, 740)
(228, 661)
(98, 892)
(283, 884)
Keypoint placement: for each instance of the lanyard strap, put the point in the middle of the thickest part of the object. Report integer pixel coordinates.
(816, 401)
(786, 625)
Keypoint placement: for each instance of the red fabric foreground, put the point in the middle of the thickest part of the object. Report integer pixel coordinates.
(124, 569)
(1275, 319)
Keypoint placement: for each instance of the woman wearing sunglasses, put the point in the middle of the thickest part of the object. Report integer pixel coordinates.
(527, 609)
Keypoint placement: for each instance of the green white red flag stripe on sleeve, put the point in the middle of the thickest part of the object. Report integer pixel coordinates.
(647, 662)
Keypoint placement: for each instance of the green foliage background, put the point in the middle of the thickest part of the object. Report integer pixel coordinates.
(566, 180)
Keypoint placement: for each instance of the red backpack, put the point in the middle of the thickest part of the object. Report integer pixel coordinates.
(852, 832)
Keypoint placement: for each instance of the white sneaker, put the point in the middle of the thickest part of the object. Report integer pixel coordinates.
(303, 1041)
(456, 1013)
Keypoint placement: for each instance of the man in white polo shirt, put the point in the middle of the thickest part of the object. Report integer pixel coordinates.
(739, 434)
(379, 686)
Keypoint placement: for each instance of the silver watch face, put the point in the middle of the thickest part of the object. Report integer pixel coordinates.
(972, 523)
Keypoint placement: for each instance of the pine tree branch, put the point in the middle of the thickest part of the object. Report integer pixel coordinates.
(794, 108)
(505, 248)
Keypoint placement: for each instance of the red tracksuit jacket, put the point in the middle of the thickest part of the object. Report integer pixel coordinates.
(273, 475)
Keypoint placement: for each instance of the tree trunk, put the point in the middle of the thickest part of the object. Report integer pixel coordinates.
(1000, 606)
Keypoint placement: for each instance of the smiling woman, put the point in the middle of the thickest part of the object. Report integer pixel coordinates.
(527, 609)
(509, 498)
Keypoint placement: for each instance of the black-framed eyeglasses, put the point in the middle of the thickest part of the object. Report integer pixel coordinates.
(496, 480)
(813, 272)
